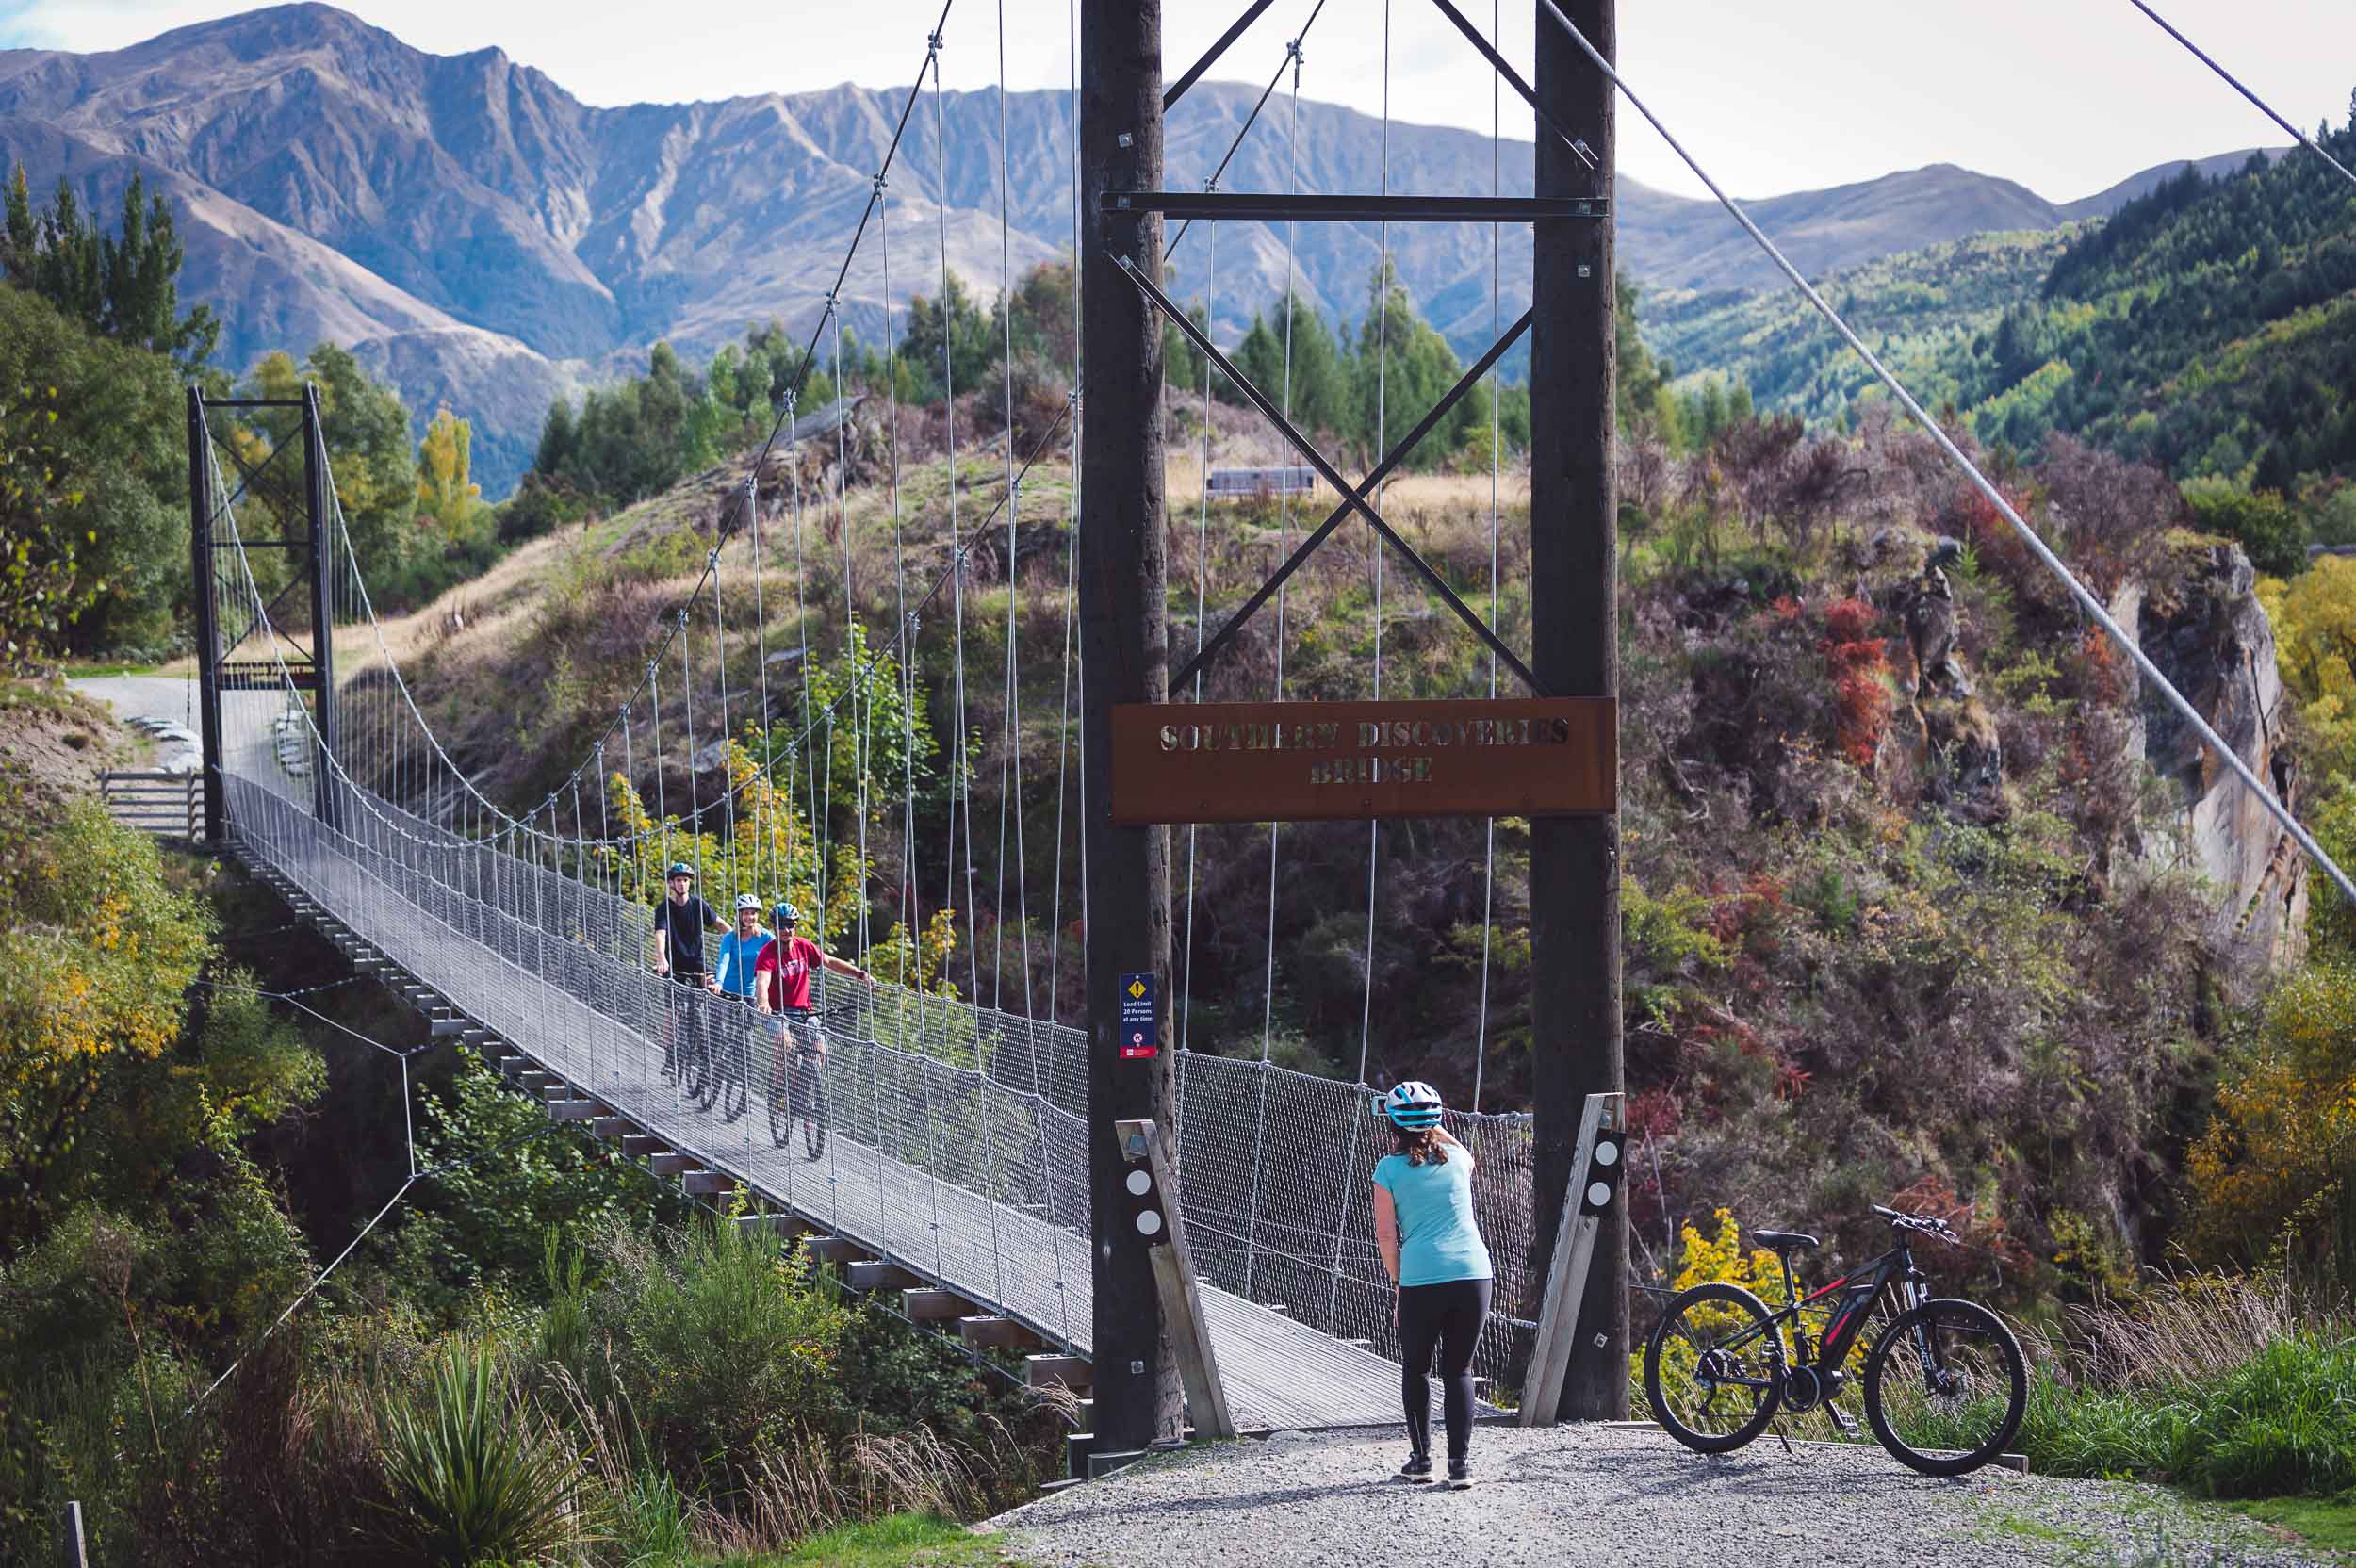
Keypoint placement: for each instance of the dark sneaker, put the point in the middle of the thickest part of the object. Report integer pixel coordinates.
(1417, 1468)
(1459, 1475)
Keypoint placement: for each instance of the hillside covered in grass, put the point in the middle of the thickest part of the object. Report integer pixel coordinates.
(2206, 326)
(1918, 311)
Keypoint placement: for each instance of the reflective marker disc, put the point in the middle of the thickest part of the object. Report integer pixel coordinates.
(1139, 1183)
(1606, 1154)
(1148, 1223)
(1599, 1194)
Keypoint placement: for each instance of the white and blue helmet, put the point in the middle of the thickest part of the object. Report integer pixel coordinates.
(1411, 1106)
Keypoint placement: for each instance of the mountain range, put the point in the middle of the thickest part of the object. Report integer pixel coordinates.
(488, 241)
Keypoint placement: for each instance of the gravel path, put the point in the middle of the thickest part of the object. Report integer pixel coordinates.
(167, 698)
(1587, 1496)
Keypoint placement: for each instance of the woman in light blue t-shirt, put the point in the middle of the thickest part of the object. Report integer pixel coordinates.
(1423, 1219)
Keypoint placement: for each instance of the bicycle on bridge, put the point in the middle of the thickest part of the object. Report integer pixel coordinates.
(797, 1075)
(1944, 1383)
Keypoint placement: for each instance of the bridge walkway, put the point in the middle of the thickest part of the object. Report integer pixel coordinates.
(970, 1184)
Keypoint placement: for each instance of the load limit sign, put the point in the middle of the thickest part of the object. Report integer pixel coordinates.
(1140, 1017)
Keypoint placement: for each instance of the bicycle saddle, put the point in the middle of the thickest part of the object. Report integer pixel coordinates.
(1783, 1241)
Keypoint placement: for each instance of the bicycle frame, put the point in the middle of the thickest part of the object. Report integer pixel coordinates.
(1859, 1292)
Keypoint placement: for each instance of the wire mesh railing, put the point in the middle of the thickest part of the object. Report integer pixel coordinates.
(955, 1135)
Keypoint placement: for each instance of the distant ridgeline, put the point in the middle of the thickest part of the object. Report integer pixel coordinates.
(2209, 326)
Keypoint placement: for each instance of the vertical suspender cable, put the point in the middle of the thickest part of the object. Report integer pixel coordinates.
(1283, 524)
(767, 824)
(1374, 828)
(1010, 766)
(961, 791)
(1070, 550)
(911, 903)
(687, 702)
(1496, 439)
(1202, 574)
(662, 808)
(728, 770)
(1381, 411)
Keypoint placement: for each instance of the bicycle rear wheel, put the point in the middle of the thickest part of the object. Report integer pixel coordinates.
(1713, 1369)
(814, 1110)
(780, 1101)
(1945, 1384)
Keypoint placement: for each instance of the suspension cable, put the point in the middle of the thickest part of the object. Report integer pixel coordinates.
(2235, 81)
(1980, 481)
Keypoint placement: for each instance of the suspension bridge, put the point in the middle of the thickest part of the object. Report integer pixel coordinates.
(968, 1156)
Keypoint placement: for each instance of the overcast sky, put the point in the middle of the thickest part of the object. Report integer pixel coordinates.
(2065, 96)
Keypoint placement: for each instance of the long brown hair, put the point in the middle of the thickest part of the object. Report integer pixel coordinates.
(1421, 1145)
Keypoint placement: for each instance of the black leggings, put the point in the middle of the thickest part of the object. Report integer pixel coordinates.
(1447, 1317)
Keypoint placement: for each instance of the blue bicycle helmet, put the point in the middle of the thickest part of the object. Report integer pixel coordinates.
(785, 914)
(1414, 1106)
(679, 868)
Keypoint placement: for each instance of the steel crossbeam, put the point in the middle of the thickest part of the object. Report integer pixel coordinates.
(1352, 208)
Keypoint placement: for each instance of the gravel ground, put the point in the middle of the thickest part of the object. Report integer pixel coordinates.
(145, 696)
(1591, 1495)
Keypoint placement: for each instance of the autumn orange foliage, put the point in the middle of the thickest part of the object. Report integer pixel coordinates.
(1859, 666)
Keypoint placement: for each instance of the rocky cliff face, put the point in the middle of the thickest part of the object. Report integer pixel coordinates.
(2209, 635)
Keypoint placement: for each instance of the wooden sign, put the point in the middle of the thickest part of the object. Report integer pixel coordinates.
(1310, 761)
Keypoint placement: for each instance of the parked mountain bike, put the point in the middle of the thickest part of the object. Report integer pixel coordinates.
(1943, 1384)
(798, 1087)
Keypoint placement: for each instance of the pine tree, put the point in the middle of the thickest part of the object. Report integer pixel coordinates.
(558, 440)
(123, 286)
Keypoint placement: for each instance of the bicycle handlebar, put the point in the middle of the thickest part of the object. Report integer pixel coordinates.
(1924, 1224)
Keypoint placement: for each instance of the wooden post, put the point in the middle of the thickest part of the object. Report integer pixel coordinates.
(1173, 1274)
(208, 611)
(1559, 1324)
(1574, 549)
(1124, 654)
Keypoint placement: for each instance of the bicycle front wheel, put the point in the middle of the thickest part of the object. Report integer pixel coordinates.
(814, 1113)
(1944, 1387)
(1713, 1369)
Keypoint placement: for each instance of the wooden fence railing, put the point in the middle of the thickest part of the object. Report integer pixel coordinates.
(169, 804)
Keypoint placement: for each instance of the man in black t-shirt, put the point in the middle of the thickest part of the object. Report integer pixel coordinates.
(679, 923)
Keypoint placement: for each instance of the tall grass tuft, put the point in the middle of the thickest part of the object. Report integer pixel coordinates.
(2228, 1385)
(474, 1474)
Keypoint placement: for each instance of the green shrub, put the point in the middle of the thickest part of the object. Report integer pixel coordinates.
(2107, 1434)
(2213, 1382)
(721, 1346)
(474, 1473)
(2283, 1424)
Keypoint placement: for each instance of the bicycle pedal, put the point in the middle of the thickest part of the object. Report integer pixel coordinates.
(1842, 1423)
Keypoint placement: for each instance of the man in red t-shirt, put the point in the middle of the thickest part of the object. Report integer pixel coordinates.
(781, 979)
